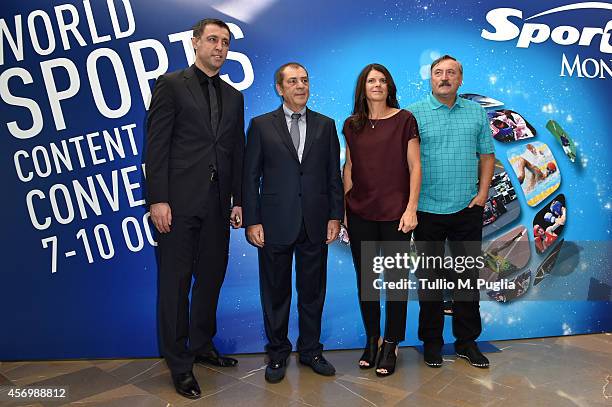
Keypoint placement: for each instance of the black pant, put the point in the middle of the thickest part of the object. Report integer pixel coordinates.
(196, 247)
(362, 230)
(463, 230)
(275, 271)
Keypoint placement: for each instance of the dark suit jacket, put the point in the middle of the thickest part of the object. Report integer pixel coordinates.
(279, 191)
(181, 145)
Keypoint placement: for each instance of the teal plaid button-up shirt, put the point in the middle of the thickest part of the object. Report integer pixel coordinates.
(451, 138)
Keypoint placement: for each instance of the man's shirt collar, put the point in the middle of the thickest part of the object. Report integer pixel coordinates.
(436, 104)
(289, 112)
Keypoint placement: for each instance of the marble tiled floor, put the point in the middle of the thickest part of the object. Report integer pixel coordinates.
(564, 371)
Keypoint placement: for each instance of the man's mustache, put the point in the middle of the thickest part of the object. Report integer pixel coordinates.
(444, 83)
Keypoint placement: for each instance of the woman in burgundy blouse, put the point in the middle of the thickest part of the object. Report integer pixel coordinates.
(382, 180)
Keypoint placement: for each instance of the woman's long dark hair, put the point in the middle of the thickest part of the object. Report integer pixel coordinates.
(360, 110)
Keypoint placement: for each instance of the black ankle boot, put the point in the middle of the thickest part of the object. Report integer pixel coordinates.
(386, 359)
(369, 353)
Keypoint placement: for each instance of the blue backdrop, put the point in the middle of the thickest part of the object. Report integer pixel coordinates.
(78, 277)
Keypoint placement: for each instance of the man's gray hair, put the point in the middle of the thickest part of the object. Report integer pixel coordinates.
(445, 57)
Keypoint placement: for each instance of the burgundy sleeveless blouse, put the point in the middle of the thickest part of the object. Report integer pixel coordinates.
(380, 174)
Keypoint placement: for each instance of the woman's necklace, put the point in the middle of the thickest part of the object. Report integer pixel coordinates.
(375, 122)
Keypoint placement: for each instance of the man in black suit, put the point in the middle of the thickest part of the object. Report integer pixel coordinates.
(293, 203)
(195, 147)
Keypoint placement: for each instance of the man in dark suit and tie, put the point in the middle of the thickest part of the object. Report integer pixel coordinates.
(194, 152)
(293, 203)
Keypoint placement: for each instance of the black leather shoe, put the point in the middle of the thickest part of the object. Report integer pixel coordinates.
(275, 371)
(186, 385)
(432, 357)
(319, 365)
(473, 355)
(212, 357)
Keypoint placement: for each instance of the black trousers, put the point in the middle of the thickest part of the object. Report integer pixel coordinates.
(362, 230)
(463, 230)
(196, 248)
(275, 269)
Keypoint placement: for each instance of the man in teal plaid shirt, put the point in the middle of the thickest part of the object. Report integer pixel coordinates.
(457, 159)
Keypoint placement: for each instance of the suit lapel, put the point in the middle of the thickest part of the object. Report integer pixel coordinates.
(191, 80)
(312, 132)
(281, 126)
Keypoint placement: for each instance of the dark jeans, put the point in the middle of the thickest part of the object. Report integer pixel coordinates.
(463, 230)
(362, 230)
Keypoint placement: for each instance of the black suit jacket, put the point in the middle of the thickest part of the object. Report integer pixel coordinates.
(181, 146)
(279, 191)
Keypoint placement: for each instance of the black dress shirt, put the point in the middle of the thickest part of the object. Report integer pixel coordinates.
(203, 79)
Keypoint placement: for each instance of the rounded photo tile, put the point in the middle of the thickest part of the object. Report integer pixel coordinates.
(548, 224)
(520, 286)
(508, 126)
(567, 144)
(506, 255)
(484, 101)
(502, 207)
(536, 169)
(548, 264)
